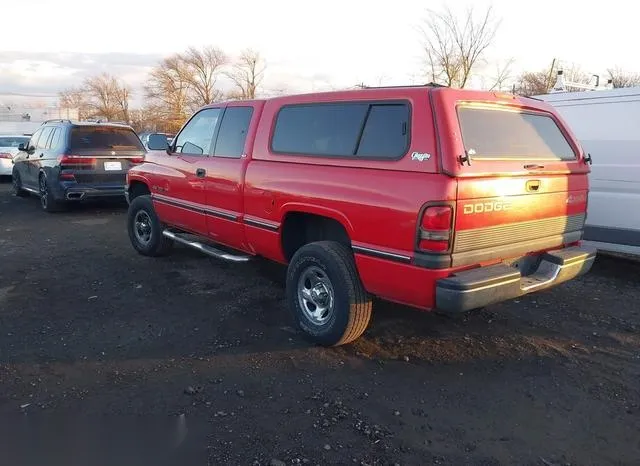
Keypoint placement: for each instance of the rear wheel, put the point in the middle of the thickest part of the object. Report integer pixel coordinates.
(47, 201)
(145, 229)
(17, 185)
(327, 299)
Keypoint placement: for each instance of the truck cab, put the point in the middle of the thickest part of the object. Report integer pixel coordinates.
(426, 196)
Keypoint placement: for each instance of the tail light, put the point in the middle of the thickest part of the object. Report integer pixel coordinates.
(76, 160)
(435, 229)
(5, 155)
(136, 159)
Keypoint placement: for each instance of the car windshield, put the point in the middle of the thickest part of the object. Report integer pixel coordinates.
(13, 141)
(104, 137)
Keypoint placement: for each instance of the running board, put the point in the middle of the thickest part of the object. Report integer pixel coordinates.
(209, 250)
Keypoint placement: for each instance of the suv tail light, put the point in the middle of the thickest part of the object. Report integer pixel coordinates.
(76, 160)
(5, 155)
(434, 234)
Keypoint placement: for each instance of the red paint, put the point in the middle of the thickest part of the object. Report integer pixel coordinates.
(379, 203)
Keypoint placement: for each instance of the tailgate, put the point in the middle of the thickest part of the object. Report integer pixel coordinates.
(522, 179)
(506, 217)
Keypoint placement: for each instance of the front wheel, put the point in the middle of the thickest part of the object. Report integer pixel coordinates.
(327, 299)
(145, 229)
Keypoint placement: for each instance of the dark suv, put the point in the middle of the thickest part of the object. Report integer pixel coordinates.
(69, 161)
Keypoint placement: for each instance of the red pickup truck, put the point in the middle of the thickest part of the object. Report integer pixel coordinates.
(427, 196)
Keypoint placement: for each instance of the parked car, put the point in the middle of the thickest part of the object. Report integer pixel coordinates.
(605, 123)
(431, 197)
(67, 161)
(9, 144)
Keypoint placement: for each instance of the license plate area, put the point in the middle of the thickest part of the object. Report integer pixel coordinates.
(113, 166)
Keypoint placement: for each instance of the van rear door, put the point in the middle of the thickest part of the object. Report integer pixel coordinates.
(522, 179)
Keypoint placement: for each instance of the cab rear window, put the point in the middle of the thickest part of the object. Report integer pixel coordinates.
(507, 134)
(102, 138)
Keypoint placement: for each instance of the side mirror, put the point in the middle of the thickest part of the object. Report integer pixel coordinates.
(21, 147)
(157, 142)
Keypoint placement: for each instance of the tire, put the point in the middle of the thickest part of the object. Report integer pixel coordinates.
(47, 201)
(145, 229)
(17, 185)
(341, 304)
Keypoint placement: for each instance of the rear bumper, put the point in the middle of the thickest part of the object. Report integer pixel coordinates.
(85, 192)
(483, 286)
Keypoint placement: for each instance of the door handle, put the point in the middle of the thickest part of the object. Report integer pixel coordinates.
(200, 172)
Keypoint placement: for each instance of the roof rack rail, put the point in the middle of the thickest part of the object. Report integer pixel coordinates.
(431, 84)
(59, 120)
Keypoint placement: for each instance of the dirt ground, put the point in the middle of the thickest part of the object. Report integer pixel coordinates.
(108, 357)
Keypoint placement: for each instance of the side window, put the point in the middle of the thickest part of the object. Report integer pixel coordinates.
(33, 142)
(385, 133)
(233, 131)
(54, 139)
(196, 137)
(44, 137)
(376, 130)
(319, 129)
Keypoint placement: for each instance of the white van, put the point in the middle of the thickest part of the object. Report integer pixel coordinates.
(607, 123)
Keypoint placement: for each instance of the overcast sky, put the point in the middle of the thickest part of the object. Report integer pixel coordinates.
(47, 45)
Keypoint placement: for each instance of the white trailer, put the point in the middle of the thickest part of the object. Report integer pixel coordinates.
(607, 123)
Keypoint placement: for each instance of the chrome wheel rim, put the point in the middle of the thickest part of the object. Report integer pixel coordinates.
(142, 227)
(316, 295)
(44, 192)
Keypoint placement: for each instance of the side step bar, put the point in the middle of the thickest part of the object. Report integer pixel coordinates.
(209, 250)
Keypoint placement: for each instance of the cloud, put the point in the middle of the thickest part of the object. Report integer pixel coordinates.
(49, 73)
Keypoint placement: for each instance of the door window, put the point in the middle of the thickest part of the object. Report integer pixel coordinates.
(197, 136)
(44, 137)
(34, 139)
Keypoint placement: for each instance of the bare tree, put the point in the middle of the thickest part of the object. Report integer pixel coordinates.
(202, 68)
(184, 82)
(108, 97)
(453, 46)
(75, 99)
(622, 78)
(103, 96)
(247, 73)
(167, 92)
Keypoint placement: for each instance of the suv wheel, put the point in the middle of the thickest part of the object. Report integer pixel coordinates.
(47, 201)
(145, 229)
(327, 299)
(17, 185)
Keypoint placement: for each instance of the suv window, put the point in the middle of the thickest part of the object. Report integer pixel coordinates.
(233, 131)
(351, 129)
(103, 138)
(54, 140)
(44, 137)
(508, 134)
(33, 142)
(196, 137)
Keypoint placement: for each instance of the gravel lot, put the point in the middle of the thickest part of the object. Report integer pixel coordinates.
(186, 360)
